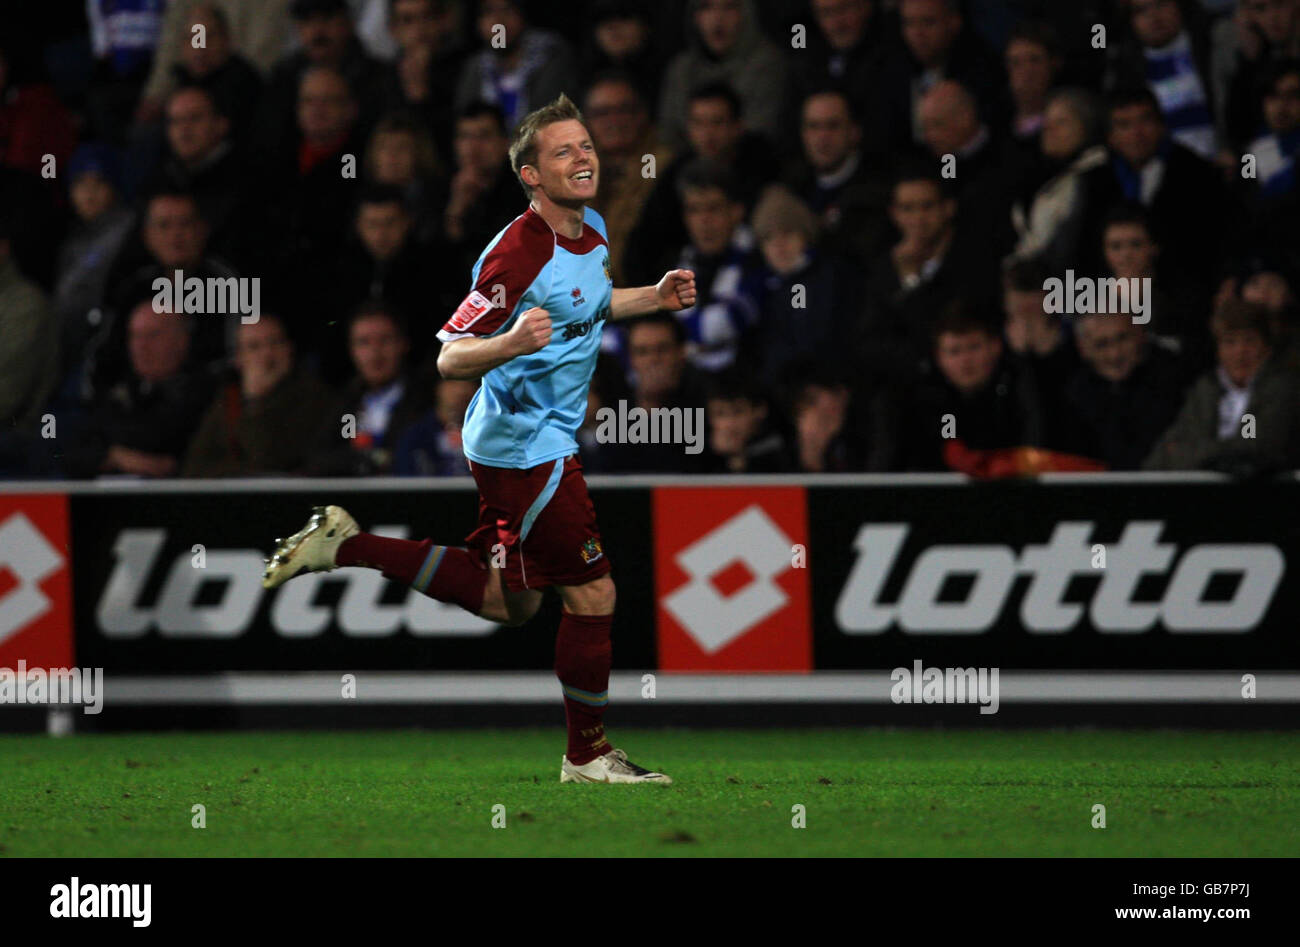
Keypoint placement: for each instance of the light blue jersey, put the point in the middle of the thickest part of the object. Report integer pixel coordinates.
(528, 411)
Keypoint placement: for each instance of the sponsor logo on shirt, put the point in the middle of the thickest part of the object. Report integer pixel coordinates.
(469, 312)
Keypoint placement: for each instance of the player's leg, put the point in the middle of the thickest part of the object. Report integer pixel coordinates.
(508, 502)
(332, 539)
(563, 549)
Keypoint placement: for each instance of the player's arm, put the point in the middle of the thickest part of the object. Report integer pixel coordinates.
(469, 359)
(675, 291)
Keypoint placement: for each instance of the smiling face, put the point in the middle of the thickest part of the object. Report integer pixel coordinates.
(567, 170)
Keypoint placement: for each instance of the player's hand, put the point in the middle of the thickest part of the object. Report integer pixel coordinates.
(531, 331)
(676, 290)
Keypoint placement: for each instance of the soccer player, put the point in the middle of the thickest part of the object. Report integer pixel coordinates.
(529, 333)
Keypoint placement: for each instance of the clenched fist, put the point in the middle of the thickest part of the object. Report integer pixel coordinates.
(531, 331)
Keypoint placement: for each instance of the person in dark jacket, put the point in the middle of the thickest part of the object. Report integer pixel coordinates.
(978, 397)
(255, 423)
(143, 424)
(362, 433)
(1242, 417)
(1124, 394)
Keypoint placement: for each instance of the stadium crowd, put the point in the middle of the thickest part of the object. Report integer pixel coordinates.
(876, 198)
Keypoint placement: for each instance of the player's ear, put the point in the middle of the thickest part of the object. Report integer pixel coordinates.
(530, 175)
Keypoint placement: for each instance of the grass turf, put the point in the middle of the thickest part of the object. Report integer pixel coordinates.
(865, 792)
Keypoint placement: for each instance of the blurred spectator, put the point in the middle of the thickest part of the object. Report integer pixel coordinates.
(743, 437)
(101, 225)
(717, 135)
(936, 44)
(608, 387)
(842, 185)
(143, 424)
(255, 30)
(983, 168)
(432, 446)
(1041, 343)
(921, 275)
(843, 52)
(431, 54)
(308, 198)
(401, 154)
(327, 44)
(1271, 198)
(384, 263)
(1125, 393)
(660, 376)
(205, 57)
(29, 343)
(33, 123)
(727, 266)
(1030, 330)
(483, 193)
(255, 423)
(1262, 34)
(173, 237)
(1167, 50)
(810, 297)
(622, 39)
(978, 399)
(1033, 61)
(839, 429)
(124, 35)
(1051, 222)
(621, 131)
(1274, 292)
(360, 436)
(724, 44)
(521, 68)
(1242, 417)
(201, 159)
(1178, 315)
(1183, 194)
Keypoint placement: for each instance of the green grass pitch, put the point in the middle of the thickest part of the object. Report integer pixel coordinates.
(865, 792)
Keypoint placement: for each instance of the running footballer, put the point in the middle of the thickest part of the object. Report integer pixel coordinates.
(529, 332)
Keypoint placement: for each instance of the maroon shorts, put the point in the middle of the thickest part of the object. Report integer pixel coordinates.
(542, 521)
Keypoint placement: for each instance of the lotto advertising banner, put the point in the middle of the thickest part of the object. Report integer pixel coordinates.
(711, 578)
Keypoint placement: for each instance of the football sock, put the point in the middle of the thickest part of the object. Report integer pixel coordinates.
(582, 657)
(446, 573)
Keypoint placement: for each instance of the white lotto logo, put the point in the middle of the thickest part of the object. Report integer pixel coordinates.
(1051, 567)
(295, 611)
(75, 899)
(714, 621)
(26, 553)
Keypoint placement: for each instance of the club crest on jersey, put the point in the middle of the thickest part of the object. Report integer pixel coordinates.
(470, 311)
(604, 262)
(591, 551)
(578, 298)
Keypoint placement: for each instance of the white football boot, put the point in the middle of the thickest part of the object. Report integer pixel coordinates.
(312, 548)
(613, 767)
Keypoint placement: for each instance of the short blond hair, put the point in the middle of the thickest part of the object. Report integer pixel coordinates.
(523, 149)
